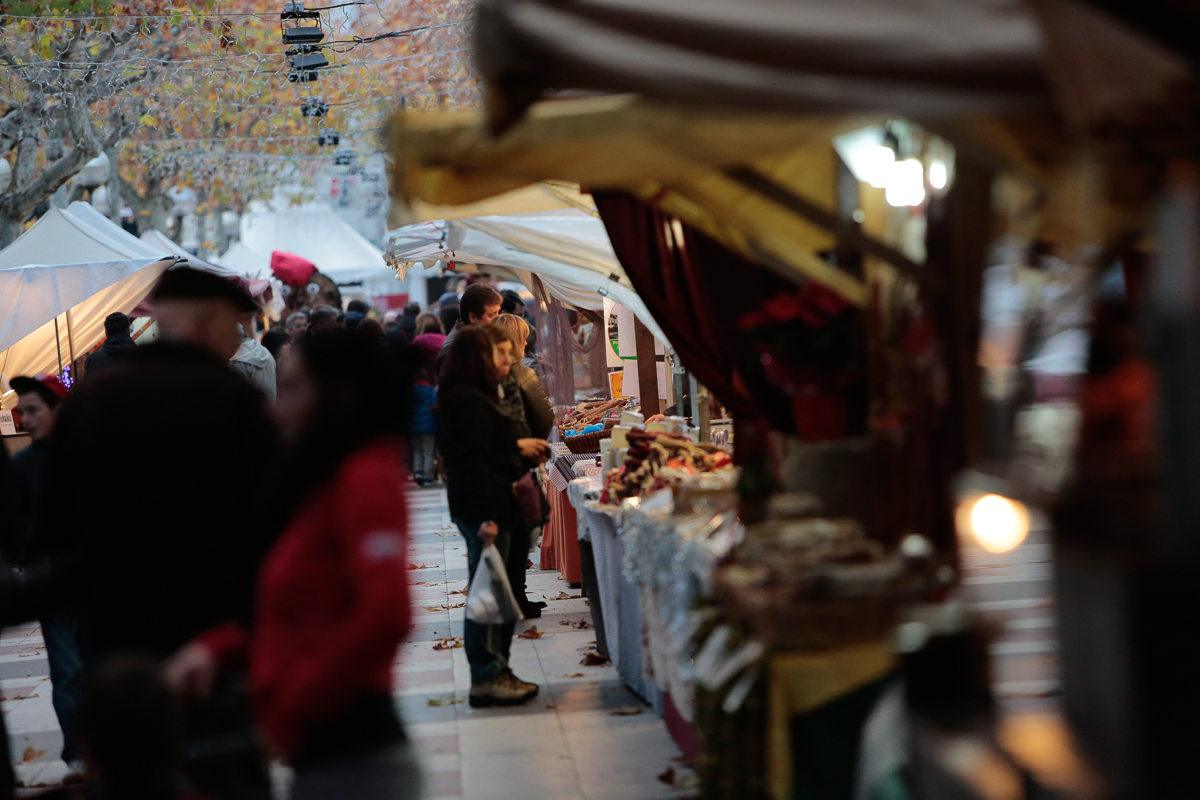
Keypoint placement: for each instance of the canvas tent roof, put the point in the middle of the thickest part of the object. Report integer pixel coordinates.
(315, 232)
(78, 296)
(568, 250)
(934, 58)
(76, 266)
(260, 289)
(77, 234)
(245, 261)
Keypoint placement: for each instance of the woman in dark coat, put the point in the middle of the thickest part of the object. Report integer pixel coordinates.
(525, 403)
(483, 458)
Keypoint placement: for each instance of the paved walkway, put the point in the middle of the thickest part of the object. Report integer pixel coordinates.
(586, 737)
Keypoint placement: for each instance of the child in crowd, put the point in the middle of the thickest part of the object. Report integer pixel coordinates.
(424, 421)
(132, 736)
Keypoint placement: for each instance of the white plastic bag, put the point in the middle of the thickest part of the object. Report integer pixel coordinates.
(490, 600)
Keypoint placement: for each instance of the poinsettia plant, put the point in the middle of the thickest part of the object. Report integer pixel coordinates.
(810, 344)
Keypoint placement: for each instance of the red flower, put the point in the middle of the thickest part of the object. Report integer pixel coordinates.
(755, 319)
(822, 298)
(813, 304)
(919, 338)
(784, 307)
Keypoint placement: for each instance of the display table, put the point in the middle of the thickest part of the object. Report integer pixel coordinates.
(560, 542)
(619, 600)
(654, 571)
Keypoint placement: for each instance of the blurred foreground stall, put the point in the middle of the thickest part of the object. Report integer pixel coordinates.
(878, 235)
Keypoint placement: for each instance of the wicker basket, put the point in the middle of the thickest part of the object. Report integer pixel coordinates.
(794, 620)
(586, 442)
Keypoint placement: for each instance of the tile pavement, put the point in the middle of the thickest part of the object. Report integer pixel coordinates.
(565, 745)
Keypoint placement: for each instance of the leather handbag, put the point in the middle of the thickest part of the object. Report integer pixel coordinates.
(528, 492)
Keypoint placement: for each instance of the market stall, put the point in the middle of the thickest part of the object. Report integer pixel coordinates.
(568, 250)
(258, 288)
(52, 315)
(62, 277)
(846, 348)
(563, 253)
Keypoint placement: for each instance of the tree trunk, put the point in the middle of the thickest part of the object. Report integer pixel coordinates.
(10, 229)
(115, 200)
(221, 237)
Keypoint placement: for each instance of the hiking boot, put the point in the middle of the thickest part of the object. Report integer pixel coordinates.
(531, 687)
(505, 690)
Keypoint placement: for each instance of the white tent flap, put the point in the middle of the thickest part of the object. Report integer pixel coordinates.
(569, 250)
(80, 296)
(313, 231)
(78, 234)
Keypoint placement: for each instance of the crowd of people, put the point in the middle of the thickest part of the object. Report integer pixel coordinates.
(201, 616)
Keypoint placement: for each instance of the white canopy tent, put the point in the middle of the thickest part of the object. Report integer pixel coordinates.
(77, 234)
(568, 250)
(51, 314)
(244, 261)
(313, 231)
(259, 288)
(60, 279)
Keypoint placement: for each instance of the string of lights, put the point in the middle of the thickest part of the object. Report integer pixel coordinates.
(189, 89)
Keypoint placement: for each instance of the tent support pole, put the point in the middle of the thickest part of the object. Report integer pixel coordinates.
(647, 368)
(58, 345)
(70, 340)
(847, 232)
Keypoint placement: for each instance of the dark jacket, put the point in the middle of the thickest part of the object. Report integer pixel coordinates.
(27, 465)
(175, 552)
(538, 411)
(479, 450)
(525, 404)
(445, 348)
(114, 347)
(423, 420)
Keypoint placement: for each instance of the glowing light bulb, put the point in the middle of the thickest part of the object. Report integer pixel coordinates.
(906, 183)
(997, 523)
(876, 164)
(938, 175)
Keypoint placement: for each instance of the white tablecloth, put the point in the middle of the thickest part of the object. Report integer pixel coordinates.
(620, 600)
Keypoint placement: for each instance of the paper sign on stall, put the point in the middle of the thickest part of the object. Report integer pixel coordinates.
(7, 426)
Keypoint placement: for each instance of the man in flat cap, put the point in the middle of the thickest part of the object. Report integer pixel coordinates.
(177, 549)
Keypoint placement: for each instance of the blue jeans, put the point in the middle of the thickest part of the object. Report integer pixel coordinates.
(488, 646)
(66, 677)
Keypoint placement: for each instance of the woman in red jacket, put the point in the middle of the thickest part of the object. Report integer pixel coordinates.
(332, 601)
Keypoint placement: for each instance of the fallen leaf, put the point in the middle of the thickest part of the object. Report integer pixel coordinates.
(532, 633)
(626, 711)
(453, 701)
(594, 660)
(432, 608)
(668, 777)
(563, 596)
(551, 706)
(582, 625)
(575, 675)
(452, 643)
(31, 754)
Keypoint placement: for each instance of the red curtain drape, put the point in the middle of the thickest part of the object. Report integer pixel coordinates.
(697, 290)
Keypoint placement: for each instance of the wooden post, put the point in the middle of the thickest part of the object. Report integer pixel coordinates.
(647, 368)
